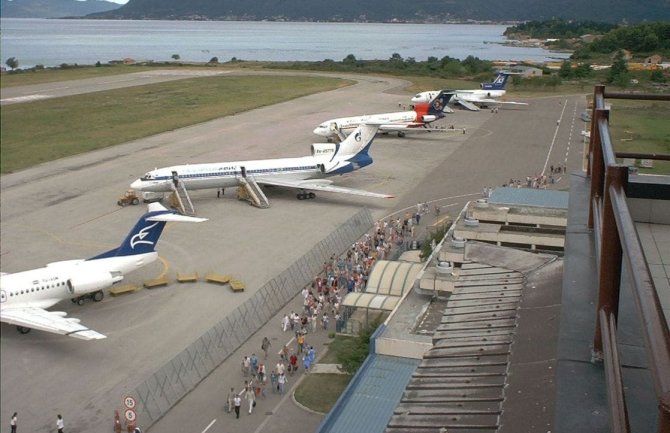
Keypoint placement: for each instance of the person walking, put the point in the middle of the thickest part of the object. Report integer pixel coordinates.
(250, 395)
(237, 401)
(13, 422)
(282, 381)
(60, 425)
(231, 399)
(265, 345)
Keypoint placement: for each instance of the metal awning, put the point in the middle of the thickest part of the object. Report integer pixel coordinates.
(371, 301)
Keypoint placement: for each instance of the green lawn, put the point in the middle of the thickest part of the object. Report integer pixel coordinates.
(41, 76)
(40, 131)
(319, 392)
(641, 127)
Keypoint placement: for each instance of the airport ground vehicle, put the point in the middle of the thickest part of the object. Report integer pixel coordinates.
(129, 197)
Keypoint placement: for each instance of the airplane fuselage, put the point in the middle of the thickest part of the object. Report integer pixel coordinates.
(229, 174)
(44, 287)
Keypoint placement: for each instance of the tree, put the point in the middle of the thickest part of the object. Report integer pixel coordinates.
(214, 60)
(176, 56)
(619, 71)
(350, 59)
(566, 70)
(12, 62)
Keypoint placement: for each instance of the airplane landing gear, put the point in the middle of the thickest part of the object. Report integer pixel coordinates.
(23, 329)
(305, 195)
(96, 296)
(401, 134)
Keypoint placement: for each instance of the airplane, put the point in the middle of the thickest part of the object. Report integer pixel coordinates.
(401, 122)
(487, 94)
(304, 173)
(26, 295)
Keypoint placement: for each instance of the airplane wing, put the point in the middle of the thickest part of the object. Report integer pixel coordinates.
(49, 321)
(317, 185)
(499, 102)
(468, 105)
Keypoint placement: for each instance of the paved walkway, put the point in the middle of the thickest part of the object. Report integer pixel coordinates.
(272, 414)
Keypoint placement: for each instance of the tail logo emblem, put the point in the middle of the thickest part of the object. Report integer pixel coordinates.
(358, 136)
(139, 237)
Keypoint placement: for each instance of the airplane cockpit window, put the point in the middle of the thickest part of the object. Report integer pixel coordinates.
(147, 176)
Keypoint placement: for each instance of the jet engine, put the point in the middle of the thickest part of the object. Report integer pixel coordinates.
(324, 149)
(428, 118)
(86, 283)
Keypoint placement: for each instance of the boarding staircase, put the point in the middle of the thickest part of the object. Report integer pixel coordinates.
(180, 199)
(250, 190)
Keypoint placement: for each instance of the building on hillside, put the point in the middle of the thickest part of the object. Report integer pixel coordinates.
(654, 59)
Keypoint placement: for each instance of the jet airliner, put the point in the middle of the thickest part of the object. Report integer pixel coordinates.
(308, 173)
(401, 122)
(26, 295)
(487, 94)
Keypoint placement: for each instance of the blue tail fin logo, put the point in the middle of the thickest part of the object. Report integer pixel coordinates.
(438, 104)
(497, 84)
(142, 238)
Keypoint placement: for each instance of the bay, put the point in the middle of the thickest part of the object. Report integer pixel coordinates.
(51, 42)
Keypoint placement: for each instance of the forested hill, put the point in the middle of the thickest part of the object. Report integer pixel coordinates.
(614, 11)
(52, 8)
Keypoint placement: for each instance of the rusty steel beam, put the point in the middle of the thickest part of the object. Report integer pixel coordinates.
(609, 274)
(616, 398)
(654, 156)
(637, 96)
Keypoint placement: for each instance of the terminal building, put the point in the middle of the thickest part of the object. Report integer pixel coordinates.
(540, 311)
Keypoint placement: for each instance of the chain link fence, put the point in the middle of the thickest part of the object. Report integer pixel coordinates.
(160, 391)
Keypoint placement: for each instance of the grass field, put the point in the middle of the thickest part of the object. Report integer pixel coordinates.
(641, 127)
(42, 76)
(319, 392)
(42, 131)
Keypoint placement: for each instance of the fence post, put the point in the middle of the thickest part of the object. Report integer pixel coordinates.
(597, 161)
(609, 278)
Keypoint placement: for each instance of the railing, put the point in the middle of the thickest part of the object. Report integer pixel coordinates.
(616, 240)
(171, 382)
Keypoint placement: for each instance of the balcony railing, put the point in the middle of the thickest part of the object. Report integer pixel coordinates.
(617, 240)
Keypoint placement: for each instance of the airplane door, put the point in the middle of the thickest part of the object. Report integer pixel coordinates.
(243, 170)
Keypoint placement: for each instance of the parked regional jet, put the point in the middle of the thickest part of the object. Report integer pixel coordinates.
(415, 120)
(27, 294)
(487, 94)
(305, 173)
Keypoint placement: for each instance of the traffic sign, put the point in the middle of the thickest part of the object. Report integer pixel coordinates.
(129, 402)
(130, 415)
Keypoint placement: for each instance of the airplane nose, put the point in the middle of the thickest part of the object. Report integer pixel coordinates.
(319, 131)
(136, 185)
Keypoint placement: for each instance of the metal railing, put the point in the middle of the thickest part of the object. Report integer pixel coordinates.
(616, 241)
(171, 382)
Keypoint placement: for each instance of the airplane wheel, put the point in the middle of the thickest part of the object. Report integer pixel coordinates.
(401, 134)
(98, 296)
(311, 195)
(23, 329)
(301, 196)
(80, 300)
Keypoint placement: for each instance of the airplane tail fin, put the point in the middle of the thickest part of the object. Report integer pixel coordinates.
(143, 237)
(436, 106)
(352, 153)
(498, 83)
(359, 140)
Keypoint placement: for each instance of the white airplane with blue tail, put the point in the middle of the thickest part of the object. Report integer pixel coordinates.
(488, 94)
(306, 174)
(27, 295)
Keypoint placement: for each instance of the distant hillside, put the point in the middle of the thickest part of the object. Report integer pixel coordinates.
(394, 10)
(53, 8)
